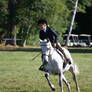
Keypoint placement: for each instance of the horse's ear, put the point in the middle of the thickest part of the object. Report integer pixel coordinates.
(45, 40)
(48, 40)
(40, 40)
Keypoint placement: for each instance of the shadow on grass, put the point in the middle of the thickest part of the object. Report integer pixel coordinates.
(80, 50)
(72, 50)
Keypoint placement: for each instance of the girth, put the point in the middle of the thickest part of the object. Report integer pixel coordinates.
(59, 52)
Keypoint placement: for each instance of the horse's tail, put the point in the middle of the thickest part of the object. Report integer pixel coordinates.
(76, 69)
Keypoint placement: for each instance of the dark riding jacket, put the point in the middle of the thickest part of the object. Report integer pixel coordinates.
(49, 34)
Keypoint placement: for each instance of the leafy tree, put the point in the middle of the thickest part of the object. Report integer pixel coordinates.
(3, 19)
(54, 11)
(20, 17)
(85, 3)
(83, 18)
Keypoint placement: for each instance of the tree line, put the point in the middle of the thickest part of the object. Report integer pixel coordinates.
(18, 18)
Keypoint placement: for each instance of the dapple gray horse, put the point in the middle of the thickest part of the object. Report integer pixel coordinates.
(55, 65)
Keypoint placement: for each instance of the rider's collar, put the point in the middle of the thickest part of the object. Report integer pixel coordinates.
(45, 30)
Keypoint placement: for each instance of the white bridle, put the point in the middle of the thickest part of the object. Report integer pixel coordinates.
(46, 50)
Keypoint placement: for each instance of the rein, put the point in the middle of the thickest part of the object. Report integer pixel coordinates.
(52, 52)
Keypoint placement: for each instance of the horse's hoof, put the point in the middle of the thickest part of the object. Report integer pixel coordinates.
(41, 68)
(53, 89)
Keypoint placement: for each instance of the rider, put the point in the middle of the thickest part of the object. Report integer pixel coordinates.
(47, 33)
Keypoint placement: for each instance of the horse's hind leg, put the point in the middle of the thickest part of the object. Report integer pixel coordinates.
(61, 80)
(49, 82)
(75, 78)
(67, 83)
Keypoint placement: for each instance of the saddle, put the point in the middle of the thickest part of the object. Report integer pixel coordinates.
(66, 61)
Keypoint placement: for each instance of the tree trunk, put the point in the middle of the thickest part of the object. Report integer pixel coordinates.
(24, 44)
(15, 36)
(11, 23)
(11, 39)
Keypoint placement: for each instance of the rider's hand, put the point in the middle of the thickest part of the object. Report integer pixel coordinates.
(54, 45)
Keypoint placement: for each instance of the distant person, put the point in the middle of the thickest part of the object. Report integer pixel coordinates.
(47, 33)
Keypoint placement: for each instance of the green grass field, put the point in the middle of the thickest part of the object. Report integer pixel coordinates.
(19, 73)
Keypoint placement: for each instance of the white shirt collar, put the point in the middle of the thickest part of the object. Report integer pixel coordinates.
(45, 30)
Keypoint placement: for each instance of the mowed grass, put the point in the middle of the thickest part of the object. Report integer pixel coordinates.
(19, 72)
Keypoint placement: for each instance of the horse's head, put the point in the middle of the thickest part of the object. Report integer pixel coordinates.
(46, 48)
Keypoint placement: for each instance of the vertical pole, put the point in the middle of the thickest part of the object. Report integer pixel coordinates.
(72, 22)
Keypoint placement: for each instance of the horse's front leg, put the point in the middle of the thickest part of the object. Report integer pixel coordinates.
(61, 80)
(49, 82)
